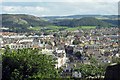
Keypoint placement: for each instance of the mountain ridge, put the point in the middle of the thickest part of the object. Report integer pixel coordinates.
(25, 21)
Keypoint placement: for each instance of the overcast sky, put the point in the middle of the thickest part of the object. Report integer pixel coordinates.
(59, 0)
(61, 8)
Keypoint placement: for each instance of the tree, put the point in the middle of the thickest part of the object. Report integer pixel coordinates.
(93, 60)
(68, 49)
(90, 70)
(78, 55)
(27, 64)
(71, 59)
(76, 42)
(116, 60)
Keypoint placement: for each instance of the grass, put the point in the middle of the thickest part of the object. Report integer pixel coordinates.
(73, 29)
(52, 28)
(1, 52)
(35, 28)
(88, 27)
(81, 27)
(55, 28)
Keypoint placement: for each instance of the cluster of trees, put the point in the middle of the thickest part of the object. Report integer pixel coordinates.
(27, 64)
(30, 64)
(116, 60)
(86, 21)
(91, 70)
(76, 42)
(79, 55)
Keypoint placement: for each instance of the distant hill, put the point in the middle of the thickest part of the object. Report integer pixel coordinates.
(112, 19)
(114, 22)
(86, 21)
(22, 20)
(82, 16)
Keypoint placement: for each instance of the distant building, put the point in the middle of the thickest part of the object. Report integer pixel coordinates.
(19, 46)
(59, 55)
(76, 74)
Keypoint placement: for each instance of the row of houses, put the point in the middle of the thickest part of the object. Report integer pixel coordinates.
(100, 43)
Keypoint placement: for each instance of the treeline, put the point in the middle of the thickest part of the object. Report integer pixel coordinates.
(86, 21)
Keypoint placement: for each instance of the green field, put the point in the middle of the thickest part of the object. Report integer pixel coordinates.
(35, 28)
(88, 27)
(73, 29)
(81, 27)
(58, 28)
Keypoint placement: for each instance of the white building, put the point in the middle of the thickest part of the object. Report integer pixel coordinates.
(76, 74)
(1, 42)
(60, 56)
(19, 46)
(23, 43)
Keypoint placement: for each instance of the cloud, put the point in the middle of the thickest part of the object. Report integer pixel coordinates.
(10, 8)
(20, 8)
(91, 7)
(60, 8)
(60, 0)
(32, 10)
(1, 1)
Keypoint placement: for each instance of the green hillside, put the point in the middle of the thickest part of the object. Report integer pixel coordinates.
(86, 21)
(21, 22)
(28, 23)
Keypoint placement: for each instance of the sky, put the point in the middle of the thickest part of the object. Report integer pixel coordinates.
(60, 8)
